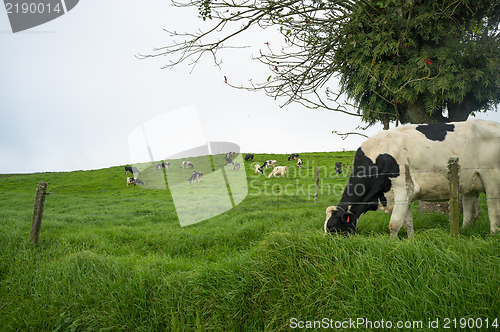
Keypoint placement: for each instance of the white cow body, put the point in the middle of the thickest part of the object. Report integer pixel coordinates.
(278, 170)
(424, 152)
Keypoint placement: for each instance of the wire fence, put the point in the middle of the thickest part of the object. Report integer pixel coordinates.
(268, 200)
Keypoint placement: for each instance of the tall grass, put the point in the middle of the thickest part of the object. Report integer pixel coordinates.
(113, 258)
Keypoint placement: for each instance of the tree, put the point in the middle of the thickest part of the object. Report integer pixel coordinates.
(415, 61)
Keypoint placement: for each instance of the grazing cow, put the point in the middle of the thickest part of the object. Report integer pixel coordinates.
(230, 155)
(236, 167)
(187, 164)
(163, 165)
(268, 163)
(299, 163)
(338, 167)
(132, 169)
(229, 161)
(398, 166)
(134, 181)
(293, 156)
(196, 176)
(278, 170)
(249, 157)
(258, 169)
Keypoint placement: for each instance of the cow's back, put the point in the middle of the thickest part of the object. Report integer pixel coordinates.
(426, 149)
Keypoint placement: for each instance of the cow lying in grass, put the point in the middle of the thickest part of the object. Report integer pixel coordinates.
(398, 166)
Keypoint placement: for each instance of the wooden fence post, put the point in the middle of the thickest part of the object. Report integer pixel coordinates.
(38, 211)
(454, 195)
(317, 185)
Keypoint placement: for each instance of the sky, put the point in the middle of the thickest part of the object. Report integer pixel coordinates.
(73, 93)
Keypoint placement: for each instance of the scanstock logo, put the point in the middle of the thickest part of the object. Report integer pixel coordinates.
(178, 140)
(24, 14)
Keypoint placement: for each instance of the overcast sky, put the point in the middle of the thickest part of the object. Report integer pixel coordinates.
(72, 92)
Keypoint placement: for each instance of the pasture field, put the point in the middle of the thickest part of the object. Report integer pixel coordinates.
(112, 258)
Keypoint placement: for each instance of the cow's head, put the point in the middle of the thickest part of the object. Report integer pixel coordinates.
(338, 220)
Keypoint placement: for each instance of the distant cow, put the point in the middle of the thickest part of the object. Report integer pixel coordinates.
(230, 155)
(269, 163)
(196, 176)
(293, 156)
(338, 167)
(249, 157)
(236, 167)
(187, 164)
(299, 163)
(278, 170)
(229, 161)
(398, 166)
(163, 165)
(134, 181)
(132, 169)
(258, 169)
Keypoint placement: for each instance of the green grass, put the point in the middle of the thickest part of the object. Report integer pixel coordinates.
(113, 258)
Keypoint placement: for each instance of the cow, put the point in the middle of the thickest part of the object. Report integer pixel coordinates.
(398, 166)
(134, 181)
(132, 169)
(249, 157)
(196, 176)
(299, 163)
(187, 164)
(258, 169)
(278, 170)
(268, 163)
(338, 167)
(162, 165)
(230, 155)
(229, 161)
(293, 156)
(236, 167)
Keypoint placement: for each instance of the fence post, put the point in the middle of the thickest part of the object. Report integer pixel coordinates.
(454, 188)
(317, 185)
(278, 198)
(38, 211)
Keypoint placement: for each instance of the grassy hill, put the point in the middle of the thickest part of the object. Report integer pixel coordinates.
(114, 258)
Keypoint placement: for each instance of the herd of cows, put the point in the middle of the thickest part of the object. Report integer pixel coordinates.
(197, 176)
(401, 165)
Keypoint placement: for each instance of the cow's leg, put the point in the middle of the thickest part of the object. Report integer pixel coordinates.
(490, 183)
(408, 223)
(471, 209)
(398, 218)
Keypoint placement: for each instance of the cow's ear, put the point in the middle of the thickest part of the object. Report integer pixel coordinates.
(348, 217)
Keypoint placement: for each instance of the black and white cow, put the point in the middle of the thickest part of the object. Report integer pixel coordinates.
(196, 176)
(236, 167)
(134, 181)
(258, 169)
(163, 165)
(187, 164)
(398, 166)
(269, 163)
(131, 169)
(229, 161)
(249, 157)
(338, 167)
(299, 163)
(293, 156)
